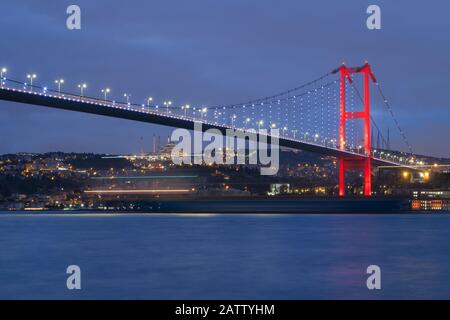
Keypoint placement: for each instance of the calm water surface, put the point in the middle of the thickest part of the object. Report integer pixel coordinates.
(224, 256)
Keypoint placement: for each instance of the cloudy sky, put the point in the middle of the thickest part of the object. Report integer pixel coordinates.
(214, 52)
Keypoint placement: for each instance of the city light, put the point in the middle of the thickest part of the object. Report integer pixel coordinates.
(31, 77)
(260, 123)
(185, 108)
(167, 104)
(82, 86)
(305, 136)
(202, 112)
(2, 72)
(233, 117)
(105, 92)
(59, 82)
(149, 101)
(127, 96)
(294, 132)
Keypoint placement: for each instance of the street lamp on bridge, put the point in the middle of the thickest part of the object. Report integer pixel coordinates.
(202, 112)
(260, 123)
(59, 82)
(305, 136)
(233, 117)
(185, 108)
(31, 77)
(2, 71)
(127, 96)
(294, 132)
(105, 92)
(167, 104)
(149, 101)
(82, 86)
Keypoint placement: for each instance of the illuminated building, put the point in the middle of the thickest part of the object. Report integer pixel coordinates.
(431, 200)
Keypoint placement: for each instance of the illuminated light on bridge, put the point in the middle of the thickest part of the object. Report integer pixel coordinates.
(2, 73)
(316, 116)
(59, 82)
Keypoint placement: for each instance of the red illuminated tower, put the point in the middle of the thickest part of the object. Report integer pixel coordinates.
(363, 163)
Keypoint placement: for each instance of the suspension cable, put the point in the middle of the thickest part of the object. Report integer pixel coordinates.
(405, 140)
(388, 106)
(371, 118)
(259, 100)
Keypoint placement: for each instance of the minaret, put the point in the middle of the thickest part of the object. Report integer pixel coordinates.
(142, 145)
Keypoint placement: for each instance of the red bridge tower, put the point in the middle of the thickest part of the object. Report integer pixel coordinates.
(363, 163)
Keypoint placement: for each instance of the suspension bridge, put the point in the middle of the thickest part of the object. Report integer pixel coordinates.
(328, 115)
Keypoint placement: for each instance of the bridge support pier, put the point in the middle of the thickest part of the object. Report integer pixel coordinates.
(364, 161)
(347, 164)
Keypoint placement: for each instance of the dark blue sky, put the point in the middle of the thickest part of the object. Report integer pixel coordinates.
(213, 52)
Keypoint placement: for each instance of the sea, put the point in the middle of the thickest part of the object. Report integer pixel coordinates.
(224, 256)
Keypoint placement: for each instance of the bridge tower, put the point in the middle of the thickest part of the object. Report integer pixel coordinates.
(346, 164)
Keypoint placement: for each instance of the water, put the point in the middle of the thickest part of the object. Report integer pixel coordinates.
(224, 256)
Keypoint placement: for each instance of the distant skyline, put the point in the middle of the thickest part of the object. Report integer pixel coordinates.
(209, 53)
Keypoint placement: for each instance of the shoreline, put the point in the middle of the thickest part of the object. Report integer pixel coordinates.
(145, 213)
(254, 206)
